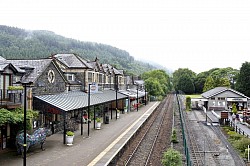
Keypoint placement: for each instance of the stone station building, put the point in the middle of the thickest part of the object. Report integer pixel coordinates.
(59, 88)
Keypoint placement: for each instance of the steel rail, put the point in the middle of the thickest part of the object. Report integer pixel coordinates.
(212, 149)
(158, 131)
(144, 135)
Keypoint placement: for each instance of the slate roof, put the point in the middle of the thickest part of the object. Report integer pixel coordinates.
(108, 67)
(4, 63)
(33, 68)
(77, 99)
(3, 66)
(72, 61)
(218, 90)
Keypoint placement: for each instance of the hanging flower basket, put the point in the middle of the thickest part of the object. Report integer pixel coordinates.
(15, 89)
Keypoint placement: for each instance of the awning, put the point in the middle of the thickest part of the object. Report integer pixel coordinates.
(133, 93)
(77, 99)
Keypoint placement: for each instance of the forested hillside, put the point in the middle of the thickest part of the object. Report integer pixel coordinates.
(16, 43)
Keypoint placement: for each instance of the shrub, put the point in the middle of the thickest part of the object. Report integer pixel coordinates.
(228, 128)
(98, 120)
(242, 144)
(188, 103)
(234, 136)
(171, 158)
(174, 137)
(70, 133)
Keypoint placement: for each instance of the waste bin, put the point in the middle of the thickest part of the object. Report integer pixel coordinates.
(106, 119)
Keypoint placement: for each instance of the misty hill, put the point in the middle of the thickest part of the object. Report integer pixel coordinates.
(16, 43)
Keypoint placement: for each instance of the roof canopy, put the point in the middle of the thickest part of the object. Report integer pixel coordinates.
(219, 90)
(133, 93)
(77, 99)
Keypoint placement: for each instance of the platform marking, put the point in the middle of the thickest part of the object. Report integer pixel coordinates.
(93, 162)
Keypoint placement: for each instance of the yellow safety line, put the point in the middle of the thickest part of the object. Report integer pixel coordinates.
(93, 162)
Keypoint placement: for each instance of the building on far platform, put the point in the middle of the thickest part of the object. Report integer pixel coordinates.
(222, 98)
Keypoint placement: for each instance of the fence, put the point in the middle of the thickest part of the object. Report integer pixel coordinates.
(238, 129)
(185, 144)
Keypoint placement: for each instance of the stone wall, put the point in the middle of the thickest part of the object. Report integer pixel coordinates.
(44, 87)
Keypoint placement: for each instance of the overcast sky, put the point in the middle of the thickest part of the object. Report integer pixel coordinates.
(194, 34)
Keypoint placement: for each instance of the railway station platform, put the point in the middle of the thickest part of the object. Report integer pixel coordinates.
(97, 149)
(242, 128)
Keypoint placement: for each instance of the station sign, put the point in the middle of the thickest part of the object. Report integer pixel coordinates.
(224, 115)
(94, 87)
(236, 99)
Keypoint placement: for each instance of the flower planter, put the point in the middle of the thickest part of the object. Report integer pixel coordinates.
(98, 125)
(69, 140)
(15, 91)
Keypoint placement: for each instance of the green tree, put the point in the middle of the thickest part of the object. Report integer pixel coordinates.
(18, 43)
(221, 74)
(171, 158)
(200, 81)
(186, 84)
(181, 75)
(209, 84)
(224, 82)
(157, 82)
(243, 83)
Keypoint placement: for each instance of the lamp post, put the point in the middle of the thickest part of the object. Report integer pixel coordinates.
(81, 122)
(116, 101)
(88, 107)
(25, 121)
(145, 95)
(137, 97)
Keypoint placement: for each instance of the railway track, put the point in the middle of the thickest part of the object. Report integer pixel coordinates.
(153, 139)
(216, 151)
(196, 156)
(210, 150)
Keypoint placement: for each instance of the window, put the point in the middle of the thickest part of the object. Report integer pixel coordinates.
(100, 78)
(105, 79)
(221, 103)
(89, 77)
(5, 82)
(221, 98)
(71, 77)
(213, 103)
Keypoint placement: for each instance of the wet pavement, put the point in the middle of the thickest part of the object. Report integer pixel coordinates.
(84, 148)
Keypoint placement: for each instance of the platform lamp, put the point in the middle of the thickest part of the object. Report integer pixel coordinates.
(25, 84)
(88, 107)
(145, 94)
(137, 96)
(116, 91)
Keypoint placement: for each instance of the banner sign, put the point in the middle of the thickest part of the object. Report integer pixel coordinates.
(93, 87)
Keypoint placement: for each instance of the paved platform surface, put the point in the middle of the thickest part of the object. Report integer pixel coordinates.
(84, 150)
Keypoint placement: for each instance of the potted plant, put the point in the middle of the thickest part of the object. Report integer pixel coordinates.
(15, 89)
(118, 113)
(98, 123)
(69, 137)
(125, 109)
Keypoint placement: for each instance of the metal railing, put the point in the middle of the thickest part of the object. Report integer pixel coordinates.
(10, 98)
(185, 141)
